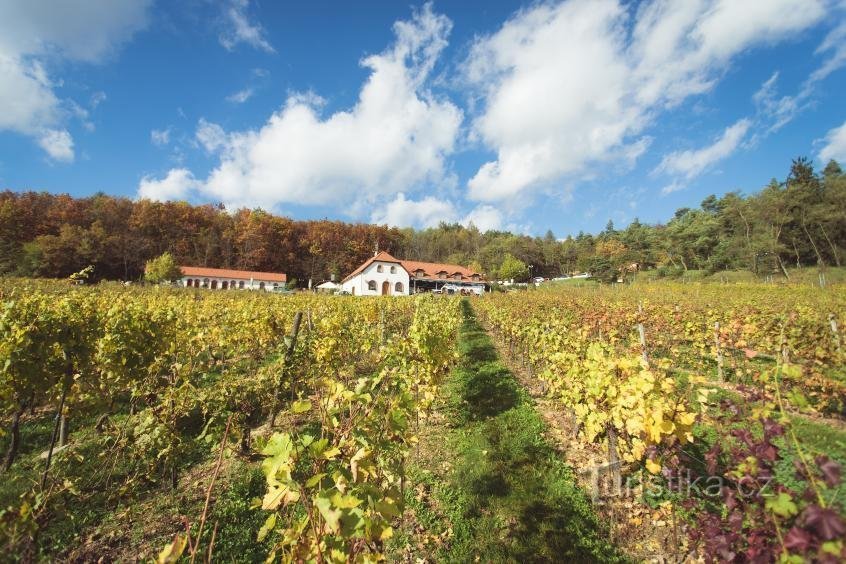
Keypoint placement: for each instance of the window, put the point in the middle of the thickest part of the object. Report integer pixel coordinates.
(379, 268)
(393, 270)
(275, 285)
(371, 285)
(188, 282)
(442, 274)
(224, 285)
(398, 288)
(205, 282)
(457, 276)
(214, 284)
(231, 284)
(419, 273)
(241, 285)
(261, 285)
(475, 278)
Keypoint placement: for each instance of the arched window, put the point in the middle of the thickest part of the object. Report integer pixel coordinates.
(398, 288)
(371, 285)
(188, 283)
(393, 270)
(379, 268)
(214, 284)
(261, 285)
(231, 284)
(205, 282)
(224, 285)
(457, 276)
(241, 285)
(275, 285)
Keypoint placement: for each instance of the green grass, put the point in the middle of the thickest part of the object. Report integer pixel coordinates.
(509, 496)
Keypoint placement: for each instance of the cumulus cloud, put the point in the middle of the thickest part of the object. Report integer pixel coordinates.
(58, 144)
(239, 29)
(160, 137)
(427, 212)
(40, 31)
(431, 211)
(565, 87)
(179, 184)
(485, 217)
(835, 145)
(393, 139)
(691, 163)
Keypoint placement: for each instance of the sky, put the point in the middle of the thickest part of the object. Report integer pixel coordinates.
(525, 116)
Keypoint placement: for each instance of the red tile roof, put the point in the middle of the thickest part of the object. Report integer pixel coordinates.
(381, 256)
(430, 269)
(237, 274)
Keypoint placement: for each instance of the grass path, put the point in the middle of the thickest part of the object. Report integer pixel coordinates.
(491, 479)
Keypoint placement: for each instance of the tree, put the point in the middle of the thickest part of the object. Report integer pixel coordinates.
(161, 269)
(513, 268)
(602, 270)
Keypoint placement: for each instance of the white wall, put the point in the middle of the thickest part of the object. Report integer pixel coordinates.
(248, 284)
(358, 284)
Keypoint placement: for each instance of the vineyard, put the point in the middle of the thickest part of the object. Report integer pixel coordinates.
(135, 388)
(185, 424)
(722, 409)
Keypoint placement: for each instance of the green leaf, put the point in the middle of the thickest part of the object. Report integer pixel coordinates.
(330, 515)
(268, 526)
(782, 505)
(301, 406)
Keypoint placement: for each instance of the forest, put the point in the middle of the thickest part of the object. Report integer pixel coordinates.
(795, 222)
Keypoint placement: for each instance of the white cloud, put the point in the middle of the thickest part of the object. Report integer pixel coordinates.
(431, 211)
(835, 145)
(394, 139)
(58, 144)
(179, 184)
(160, 137)
(38, 32)
(239, 29)
(427, 212)
(97, 98)
(781, 110)
(210, 135)
(565, 87)
(485, 217)
(691, 163)
(241, 96)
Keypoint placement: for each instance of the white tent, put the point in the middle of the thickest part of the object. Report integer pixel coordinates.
(328, 286)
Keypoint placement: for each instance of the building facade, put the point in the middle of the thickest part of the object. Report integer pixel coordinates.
(384, 275)
(380, 275)
(226, 279)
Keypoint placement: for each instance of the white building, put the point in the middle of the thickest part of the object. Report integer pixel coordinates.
(225, 279)
(384, 275)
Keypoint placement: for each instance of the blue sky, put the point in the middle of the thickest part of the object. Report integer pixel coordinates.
(522, 116)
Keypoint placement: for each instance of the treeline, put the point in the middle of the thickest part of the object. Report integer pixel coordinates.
(798, 222)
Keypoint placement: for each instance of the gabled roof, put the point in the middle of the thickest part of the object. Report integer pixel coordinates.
(381, 256)
(430, 269)
(237, 274)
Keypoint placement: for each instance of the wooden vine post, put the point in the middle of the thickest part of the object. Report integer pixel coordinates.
(289, 352)
(832, 322)
(718, 351)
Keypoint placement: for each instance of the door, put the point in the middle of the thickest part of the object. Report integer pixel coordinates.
(386, 288)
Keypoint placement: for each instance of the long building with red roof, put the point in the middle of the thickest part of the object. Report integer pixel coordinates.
(227, 279)
(385, 275)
